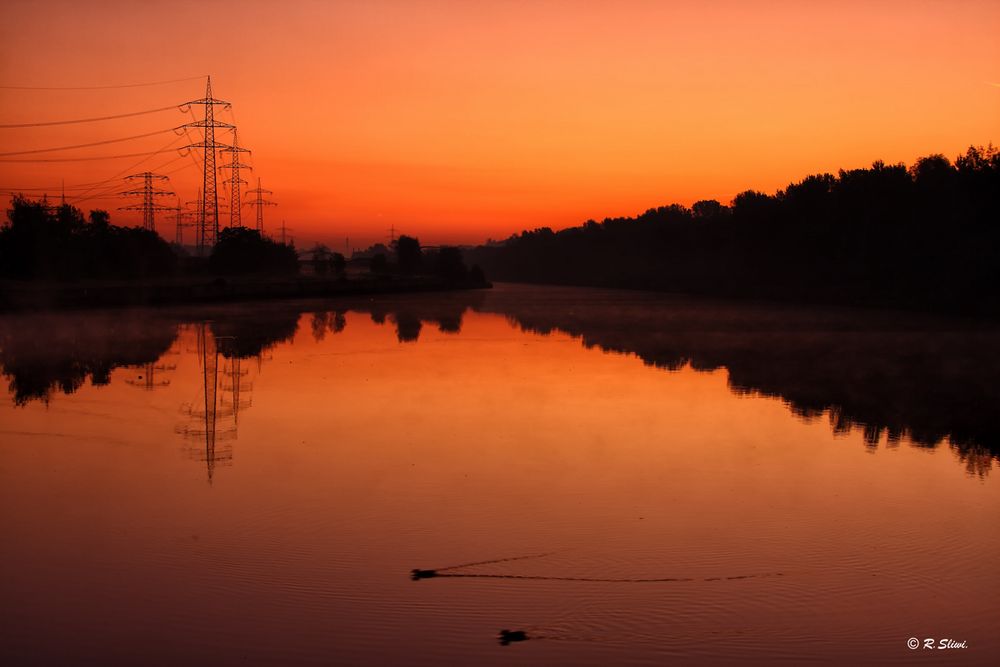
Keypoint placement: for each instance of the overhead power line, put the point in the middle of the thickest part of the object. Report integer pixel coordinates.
(95, 143)
(109, 191)
(136, 165)
(80, 159)
(51, 188)
(126, 85)
(88, 120)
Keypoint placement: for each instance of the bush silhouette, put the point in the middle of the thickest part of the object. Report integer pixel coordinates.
(408, 254)
(39, 242)
(242, 251)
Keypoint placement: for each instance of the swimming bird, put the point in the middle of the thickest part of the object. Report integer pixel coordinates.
(508, 636)
(417, 574)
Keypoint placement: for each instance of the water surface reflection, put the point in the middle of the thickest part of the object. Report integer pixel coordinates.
(894, 376)
(621, 478)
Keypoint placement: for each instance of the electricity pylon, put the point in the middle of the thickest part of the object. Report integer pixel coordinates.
(148, 193)
(182, 219)
(196, 206)
(259, 202)
(284, 231)
(196, 203)
(208, 219)
(234, 180)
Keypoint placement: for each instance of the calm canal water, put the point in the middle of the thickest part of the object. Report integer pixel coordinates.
(627, 478)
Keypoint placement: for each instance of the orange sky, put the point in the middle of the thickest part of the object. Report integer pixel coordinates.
(458, 121)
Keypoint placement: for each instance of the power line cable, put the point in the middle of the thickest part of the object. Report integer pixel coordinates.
(113, 189)
(232, 117)
(88, 120)
(96, 143)
(127, 85)
(51, 188)
(132, 168)
(81, 159)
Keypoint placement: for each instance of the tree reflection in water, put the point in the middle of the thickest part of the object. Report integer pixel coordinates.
(894, 376)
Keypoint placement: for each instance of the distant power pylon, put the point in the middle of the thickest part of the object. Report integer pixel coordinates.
(234, 180)
(182, 219)
(284, 231)
(208, 218)
(196, 209)
(392, 234)
(196, 205)
(259, 203)
(148, 194)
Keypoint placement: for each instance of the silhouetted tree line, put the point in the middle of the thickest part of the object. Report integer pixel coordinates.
(39, 242)
(927, 236)
(240, 250)
(410, 258)
(325, 262)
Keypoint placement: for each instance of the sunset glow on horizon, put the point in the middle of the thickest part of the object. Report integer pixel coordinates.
(461, 121)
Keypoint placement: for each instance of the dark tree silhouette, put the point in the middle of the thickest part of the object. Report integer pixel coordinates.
(924, 237)
(408, 254)
(240, 251)
(706, 209)
(449, 264)
(321, 259)
(379, 264)
(39, 242)
(338, 263)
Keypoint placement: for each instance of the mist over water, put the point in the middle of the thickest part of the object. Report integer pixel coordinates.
(627, 478)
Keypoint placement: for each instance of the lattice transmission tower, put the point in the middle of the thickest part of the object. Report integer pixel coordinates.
(284, 234)
(234, 180)
(259, 203)
(194, 208)
(182, 220)
(208, 218)
(148, 192)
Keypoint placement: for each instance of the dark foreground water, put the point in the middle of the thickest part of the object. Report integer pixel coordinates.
(655, 481)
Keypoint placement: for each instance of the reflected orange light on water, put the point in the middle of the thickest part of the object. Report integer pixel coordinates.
(359, 457)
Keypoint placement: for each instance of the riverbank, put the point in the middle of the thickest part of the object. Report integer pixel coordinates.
(30, 295)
